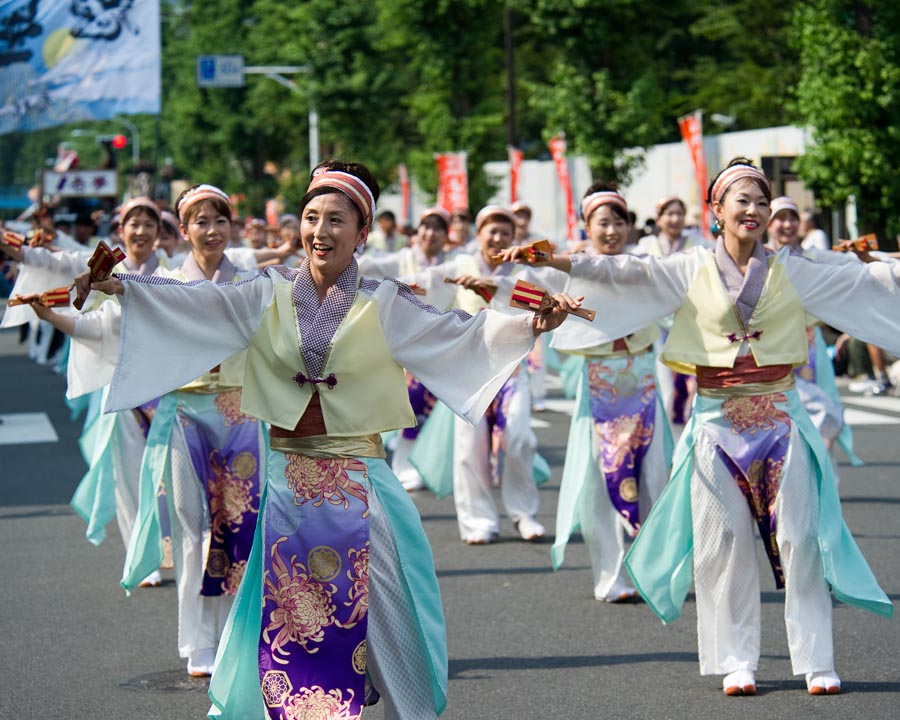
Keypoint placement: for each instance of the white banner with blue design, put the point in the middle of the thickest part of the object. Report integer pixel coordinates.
(68, 60)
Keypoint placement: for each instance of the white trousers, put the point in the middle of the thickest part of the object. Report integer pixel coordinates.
(476, 511)
(602, 527)
(128, 454)
(726, 568)
(409, 477)
(201, 619)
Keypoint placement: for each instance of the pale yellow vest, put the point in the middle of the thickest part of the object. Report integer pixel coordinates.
(370, 395)
(637, 341)
(703, 323)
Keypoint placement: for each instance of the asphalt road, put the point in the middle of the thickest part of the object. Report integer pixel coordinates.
(525, 642)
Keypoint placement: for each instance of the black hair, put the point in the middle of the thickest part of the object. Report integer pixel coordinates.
(387, 214)
(435, 222)
(603, 186)
(358, 170)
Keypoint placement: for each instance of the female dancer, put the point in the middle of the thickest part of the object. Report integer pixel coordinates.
(112, 445)
(620, 446)
(822, 400)
(341, 583)
(208, 454)
(749, 453)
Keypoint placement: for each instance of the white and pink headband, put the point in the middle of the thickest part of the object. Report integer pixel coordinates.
(435, 212)
(490, 211)
(199, 193)
(354, 188)
(602, 197)
(664, 202)
(783, 203)
(733, 174)
(139, 202)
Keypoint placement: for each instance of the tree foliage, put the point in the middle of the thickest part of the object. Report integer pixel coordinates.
(849, 94)
(400, 80)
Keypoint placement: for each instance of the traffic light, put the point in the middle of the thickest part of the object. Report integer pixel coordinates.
(119, 141)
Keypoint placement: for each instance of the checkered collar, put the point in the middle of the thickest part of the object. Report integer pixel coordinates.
(317, 324)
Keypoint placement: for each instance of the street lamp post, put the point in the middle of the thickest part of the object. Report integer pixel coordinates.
(276, 73)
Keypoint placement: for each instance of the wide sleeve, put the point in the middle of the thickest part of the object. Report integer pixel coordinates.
(462, 359)
(94, 348)
(860, 299)
(379, 265)
(42, 270)
(171, 333)
(627, 292)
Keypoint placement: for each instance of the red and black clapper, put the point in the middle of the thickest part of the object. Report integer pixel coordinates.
(101, 265)
(528, 296)
(57, 297)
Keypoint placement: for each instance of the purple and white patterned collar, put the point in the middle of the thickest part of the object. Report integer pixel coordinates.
(148, 267)
(744, 290)
(224, 273)
(317, 324)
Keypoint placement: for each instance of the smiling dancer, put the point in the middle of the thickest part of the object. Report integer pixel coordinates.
(749, 456)
(341, 584)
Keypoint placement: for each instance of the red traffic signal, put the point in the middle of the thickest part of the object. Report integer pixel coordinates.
(119, 141)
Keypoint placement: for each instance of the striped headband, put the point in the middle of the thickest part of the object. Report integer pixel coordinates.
(603, 197)
(435, 212)
(521, 207)
(783, 203)
(354, 188)
(172, 221)
(202, 192)
(490, 211)
(664, 202)
(733, 174)
(139, 202)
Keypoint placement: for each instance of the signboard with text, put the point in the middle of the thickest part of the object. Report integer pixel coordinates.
(81, 183)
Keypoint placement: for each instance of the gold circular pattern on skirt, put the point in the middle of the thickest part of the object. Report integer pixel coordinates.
(324, 563)
(628, 490)
(244, 465)
(359, 658)
(276, 687)
(626, 383)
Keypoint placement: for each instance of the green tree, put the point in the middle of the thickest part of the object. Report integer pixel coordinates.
(849, 95)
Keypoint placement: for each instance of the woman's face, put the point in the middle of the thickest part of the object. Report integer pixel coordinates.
(607, 231)
(744, 211)
(431, 237)
(784, 228)
(671, 220)
(330, 232)
(139, 235)
(494, 236)
(167, 240)
(208, 232)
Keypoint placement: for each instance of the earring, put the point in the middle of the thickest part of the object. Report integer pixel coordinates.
(717, 227)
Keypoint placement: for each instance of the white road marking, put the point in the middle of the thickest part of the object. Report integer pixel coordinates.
(21, 428)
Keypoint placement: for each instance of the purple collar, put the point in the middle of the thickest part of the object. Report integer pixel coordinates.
(744, 290)
(148, 267)
(224, 273)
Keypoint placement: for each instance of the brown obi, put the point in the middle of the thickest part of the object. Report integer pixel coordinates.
(619, 345)
(310, 438)
(745, 378)
(312, 422)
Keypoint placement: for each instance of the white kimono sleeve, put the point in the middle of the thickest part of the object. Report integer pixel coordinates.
(463, 362)
(378, 266)
(860, 299)
(40, 271)
(627, 293)
(172, 333)
(95, 345)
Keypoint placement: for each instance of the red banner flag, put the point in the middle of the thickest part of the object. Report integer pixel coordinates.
(692, 133)
(404, 194)
(515, 165)
(558, 152)
(453, 181)
(272, 212)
